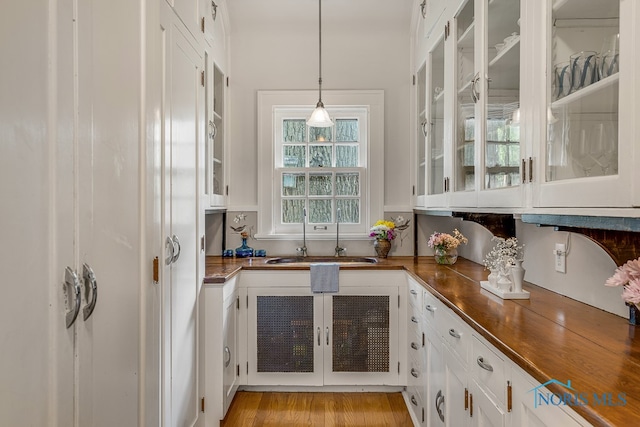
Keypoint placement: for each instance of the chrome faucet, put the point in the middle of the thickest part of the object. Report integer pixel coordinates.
(303, 250)
(339, 250)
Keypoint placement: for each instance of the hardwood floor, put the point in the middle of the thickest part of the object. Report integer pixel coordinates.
(257, 409)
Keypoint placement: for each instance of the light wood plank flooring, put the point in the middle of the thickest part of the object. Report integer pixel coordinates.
(257, 409)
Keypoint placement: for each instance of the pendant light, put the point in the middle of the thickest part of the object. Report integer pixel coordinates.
(319, 117)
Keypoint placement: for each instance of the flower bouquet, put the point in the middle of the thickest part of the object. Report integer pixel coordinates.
(444, 246)
(628, 276)
(384, 232)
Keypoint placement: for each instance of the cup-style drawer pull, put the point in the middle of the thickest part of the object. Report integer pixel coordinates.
(414, 346)
(430, 308)
(227, 356)
(413, 319)
(413, 292)
(414, 401)
(414, 373)
(484, 365)
(454, 334)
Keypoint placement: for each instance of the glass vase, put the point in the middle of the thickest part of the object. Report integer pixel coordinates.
(244, 251)
(445, 257)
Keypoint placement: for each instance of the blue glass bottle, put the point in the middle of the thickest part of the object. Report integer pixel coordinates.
(244, 251)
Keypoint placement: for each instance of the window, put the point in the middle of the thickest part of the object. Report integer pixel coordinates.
(320, 169)
(323, 170)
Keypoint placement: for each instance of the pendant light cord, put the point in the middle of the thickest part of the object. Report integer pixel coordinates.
(320, 53)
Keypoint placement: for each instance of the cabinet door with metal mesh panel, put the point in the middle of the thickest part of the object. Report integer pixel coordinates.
(361, 336)
(286, 331)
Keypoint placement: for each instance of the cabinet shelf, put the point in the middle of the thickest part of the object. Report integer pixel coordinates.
(599, 97)
(466, 39)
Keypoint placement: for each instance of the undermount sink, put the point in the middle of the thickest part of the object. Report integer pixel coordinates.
(327, 259)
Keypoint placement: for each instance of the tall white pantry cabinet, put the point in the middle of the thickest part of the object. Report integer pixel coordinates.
(102, 126)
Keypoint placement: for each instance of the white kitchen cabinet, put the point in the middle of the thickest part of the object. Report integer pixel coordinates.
(219, 322)
(587, 151)
(417, 354)
(74, 194)
(527, 412)
(182, 115)
(216, 126)
(473, 150)
(488, 386)
(300, 338)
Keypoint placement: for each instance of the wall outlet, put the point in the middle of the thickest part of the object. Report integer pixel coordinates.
(560, 255)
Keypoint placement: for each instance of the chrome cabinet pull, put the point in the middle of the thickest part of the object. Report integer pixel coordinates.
(484, 365)
(454, 334)
(318, 335)
(176, 248)
(414, 346)
(227, 356)
(475, 94)
(440, 405)
(213, 129)
(430, 308)
(170, 248)
(71, 288)
(413, 292)
(90, 287)
(327, 334)
(414, 373)
(414, 401)
(413, 319)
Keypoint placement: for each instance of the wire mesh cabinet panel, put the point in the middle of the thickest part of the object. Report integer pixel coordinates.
(285, 336)
(300, 338)
(361, 336)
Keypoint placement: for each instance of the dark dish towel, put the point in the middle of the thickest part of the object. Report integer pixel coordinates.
(324, 277)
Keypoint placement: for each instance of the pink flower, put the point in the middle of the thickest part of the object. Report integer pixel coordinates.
(627, 276)
(631, 292)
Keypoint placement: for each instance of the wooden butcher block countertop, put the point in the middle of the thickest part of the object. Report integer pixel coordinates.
(549, 336)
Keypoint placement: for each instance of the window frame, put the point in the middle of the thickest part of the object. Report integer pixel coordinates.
(270, 104)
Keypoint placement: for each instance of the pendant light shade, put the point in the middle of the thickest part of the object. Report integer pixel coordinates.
(319, 117)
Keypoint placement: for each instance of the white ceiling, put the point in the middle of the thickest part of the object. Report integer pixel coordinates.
(343, 15)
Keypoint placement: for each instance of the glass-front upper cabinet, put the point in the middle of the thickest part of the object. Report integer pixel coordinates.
(591, 51)
(421, 134)
(464, 168)
(435, 127)
(216, 135)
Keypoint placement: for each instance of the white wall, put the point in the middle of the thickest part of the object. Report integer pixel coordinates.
(281, 58)
(588, 265)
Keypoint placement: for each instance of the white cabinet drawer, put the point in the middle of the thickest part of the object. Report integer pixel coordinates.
(488, 366)
(431, 306)
(455, 333)
(415, 294)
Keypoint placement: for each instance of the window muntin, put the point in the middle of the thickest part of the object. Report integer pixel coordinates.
(321, 169)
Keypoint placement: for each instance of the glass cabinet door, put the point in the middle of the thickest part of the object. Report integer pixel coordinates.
(216, 133)
(421, 134)
(502, 102)
(464, 161)
(582, 139)
(435, 127)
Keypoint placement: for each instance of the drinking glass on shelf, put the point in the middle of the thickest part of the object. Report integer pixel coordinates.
(583, 69)
(561, 80)
(584, 155)
(608, 63)
(604, 150)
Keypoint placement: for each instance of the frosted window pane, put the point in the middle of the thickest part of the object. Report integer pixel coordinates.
(349, 210)
(292, 211)
(346, 130)
(348, 184)
(346, 156)
(320, 184)
(293, 184)
(320, 156)
(319, 134)
(293, 130)
(320, 211)
(293, 156)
